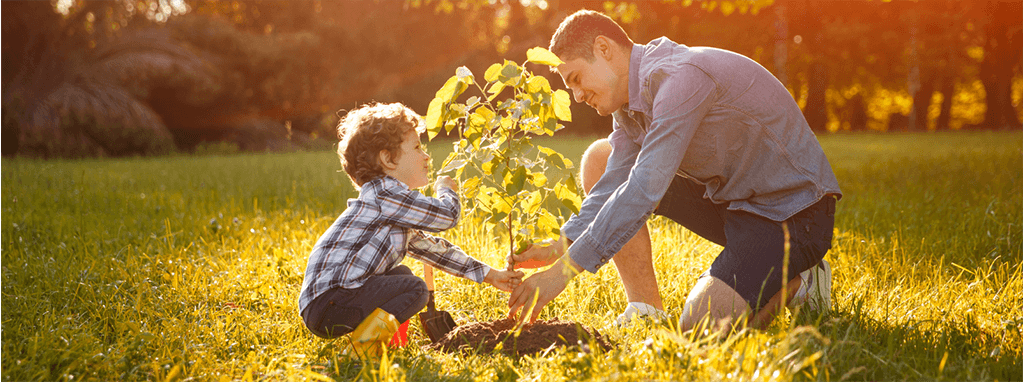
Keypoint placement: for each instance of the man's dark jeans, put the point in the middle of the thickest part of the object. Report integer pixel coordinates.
(754, 252)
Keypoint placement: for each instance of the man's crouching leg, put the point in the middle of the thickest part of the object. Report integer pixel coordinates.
(716, 306)
(633, 261)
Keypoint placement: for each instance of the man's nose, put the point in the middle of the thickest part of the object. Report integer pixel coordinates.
(577, 94)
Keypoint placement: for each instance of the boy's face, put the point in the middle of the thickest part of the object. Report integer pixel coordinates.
(412, 164)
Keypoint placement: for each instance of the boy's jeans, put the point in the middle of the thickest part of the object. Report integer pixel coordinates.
(338, 311)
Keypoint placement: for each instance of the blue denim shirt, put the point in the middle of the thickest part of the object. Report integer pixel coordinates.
(712, 116)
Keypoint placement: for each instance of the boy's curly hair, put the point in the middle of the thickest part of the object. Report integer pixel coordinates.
(367, 130)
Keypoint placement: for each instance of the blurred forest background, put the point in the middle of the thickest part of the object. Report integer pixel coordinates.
(141, 77)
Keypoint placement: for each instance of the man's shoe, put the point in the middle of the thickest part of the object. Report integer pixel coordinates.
(639, 310)
(815, 290)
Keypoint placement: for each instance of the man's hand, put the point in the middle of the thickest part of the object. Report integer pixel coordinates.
(539, 254)
(504, 280)
(538, 290)
(444, 181)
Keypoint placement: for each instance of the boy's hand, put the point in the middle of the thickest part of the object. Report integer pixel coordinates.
(444, 181)
(504, 280)
(539, 254)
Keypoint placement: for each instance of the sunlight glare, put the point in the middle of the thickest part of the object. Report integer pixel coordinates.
(64, 6)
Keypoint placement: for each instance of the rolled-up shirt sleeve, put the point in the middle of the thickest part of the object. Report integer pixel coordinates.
(620, 162)
(679, 106)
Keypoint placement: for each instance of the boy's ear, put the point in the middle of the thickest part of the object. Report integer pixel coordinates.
(385, 160)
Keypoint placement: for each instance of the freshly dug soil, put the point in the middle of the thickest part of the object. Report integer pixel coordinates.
(485, 337)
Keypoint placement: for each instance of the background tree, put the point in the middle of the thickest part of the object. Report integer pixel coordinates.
(83, 78)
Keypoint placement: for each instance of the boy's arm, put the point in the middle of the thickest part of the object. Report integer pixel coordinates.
(403, 207)
(446, 256)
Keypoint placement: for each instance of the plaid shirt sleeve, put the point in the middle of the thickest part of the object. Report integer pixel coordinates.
(446, 256)
(410, 209)
(402, 207)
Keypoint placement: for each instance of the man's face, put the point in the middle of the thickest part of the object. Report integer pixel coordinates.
(595, 84)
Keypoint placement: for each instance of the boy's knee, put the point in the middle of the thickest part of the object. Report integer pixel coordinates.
(595, 159)
(421, 292)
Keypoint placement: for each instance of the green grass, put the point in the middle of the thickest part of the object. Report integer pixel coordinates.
(189, 268)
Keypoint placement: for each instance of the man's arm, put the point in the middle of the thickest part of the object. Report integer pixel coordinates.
(680, 104)
(679, 108)
(619, 163)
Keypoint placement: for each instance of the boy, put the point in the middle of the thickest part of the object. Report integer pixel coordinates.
(355, 282)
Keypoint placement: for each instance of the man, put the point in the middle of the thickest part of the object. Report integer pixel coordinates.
(709, 139)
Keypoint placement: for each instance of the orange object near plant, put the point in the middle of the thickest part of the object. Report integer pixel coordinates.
(401, 337)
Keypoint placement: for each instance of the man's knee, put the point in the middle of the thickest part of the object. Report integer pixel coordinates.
(714, 303)
(594, 161)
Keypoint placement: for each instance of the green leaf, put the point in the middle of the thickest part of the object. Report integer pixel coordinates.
(533, 202)
(542, 56)
(555, 158)
(538, 179)
(489, 166)
(569, 198)
(451, 89)
(548, 223)
(538, 84)
(495, 90)
(465, 75)
(516, 181)
(471, 187)
(511, 73)
(562, 103)
(447, 162)
(433, 120)
(452, 165)
(492, 72)
(522, 243)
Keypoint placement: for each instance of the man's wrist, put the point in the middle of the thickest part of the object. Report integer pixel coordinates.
(568, 266)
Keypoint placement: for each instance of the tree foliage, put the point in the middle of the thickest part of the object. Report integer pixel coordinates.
(515, 188)
(150, 76)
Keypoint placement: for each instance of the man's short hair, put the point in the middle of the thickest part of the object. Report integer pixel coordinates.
(365, 131)
(575, 36)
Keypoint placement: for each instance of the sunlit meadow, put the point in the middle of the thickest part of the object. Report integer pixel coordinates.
(188, 268)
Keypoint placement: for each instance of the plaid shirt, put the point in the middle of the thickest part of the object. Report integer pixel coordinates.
(377, 230)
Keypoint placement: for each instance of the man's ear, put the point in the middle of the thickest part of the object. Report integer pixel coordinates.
(385, 160)
(603, 47)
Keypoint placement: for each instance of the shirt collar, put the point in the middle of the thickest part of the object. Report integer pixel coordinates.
(636, 55)
(381, 183)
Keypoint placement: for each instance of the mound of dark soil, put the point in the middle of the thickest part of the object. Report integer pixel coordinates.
(486, 336)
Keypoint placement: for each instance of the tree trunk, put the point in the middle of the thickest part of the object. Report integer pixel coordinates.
(858, 115)
(781, 41)
(947, 103)
(1002, 57)
(922, 102)
(815, 111)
